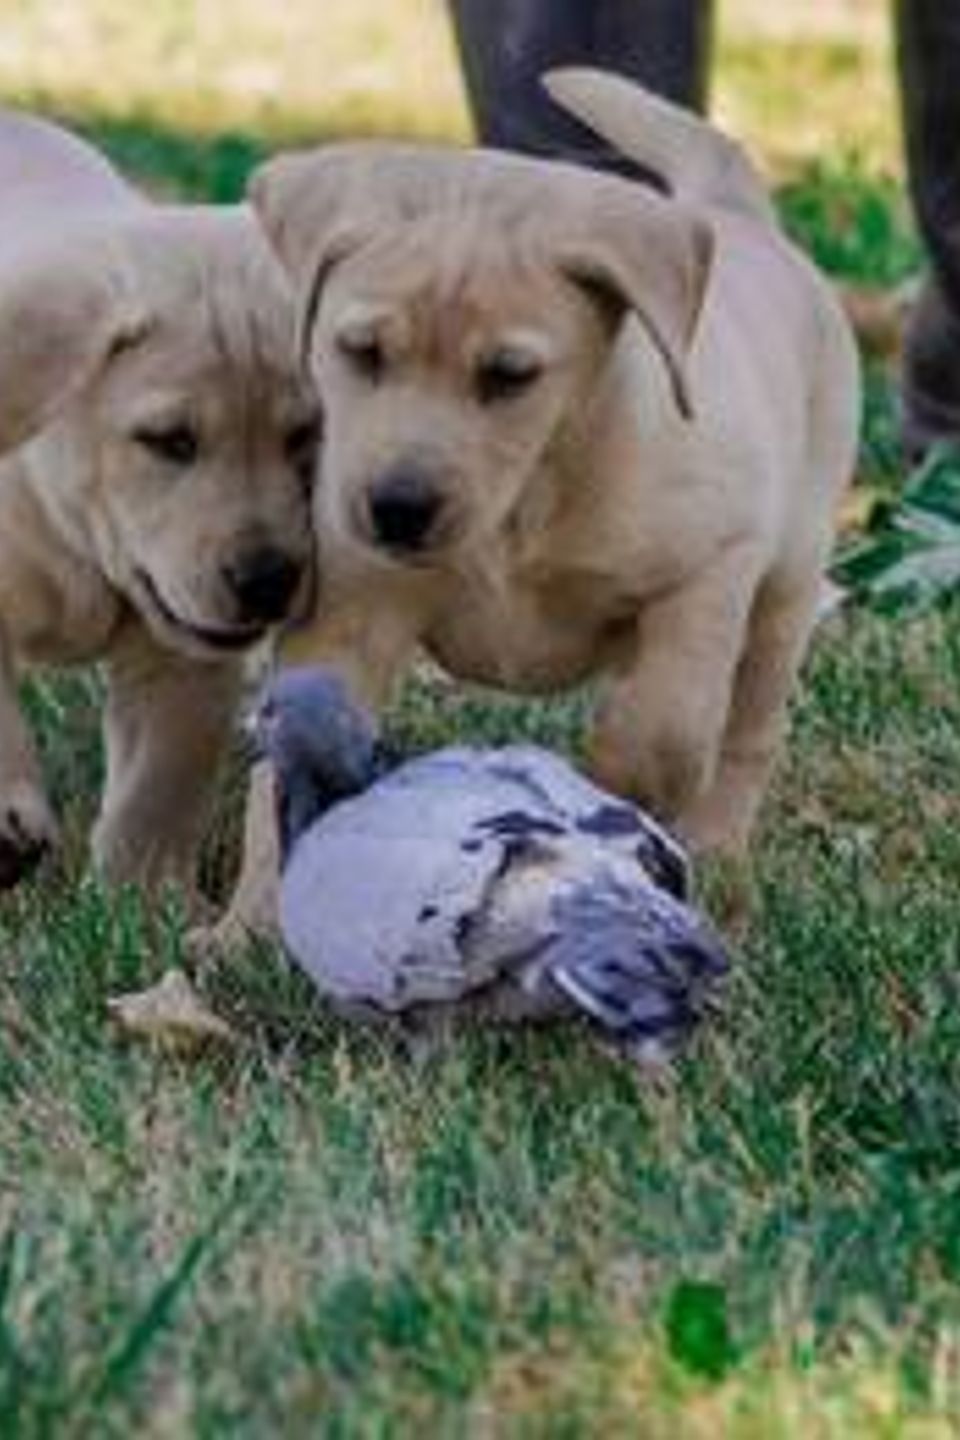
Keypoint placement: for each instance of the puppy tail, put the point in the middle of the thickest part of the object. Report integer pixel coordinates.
(697, 161)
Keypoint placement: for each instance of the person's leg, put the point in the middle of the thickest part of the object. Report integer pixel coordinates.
(664, 44)
(506, 45)
(928, 59)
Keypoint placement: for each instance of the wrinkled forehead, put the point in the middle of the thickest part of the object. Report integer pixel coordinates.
(210, 290)
(207, 330)
(412, 180)
(174, 372)
(448, 280)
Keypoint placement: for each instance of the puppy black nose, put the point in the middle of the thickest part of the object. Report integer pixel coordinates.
(403, 505)
(263, 581)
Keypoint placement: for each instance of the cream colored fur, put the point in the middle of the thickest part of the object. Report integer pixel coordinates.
(145, 322)
(653, 511)
(53, 315)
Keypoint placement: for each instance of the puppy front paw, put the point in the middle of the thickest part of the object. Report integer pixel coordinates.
(27, 831)
(208, 944)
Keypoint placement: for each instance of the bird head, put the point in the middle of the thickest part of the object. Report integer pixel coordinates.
(321, 744)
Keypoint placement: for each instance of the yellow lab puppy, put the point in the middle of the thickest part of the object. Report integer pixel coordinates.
(159, 520)
(573, 430)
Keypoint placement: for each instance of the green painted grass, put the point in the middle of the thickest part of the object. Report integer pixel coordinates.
(323, 1234)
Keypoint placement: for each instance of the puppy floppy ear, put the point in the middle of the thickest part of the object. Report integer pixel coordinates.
(299, 201)
(320, 206)
(309, 208)
(652, 257)
(56, 324)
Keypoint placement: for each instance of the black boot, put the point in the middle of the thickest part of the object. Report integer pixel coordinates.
(506, 45)
(928, 54)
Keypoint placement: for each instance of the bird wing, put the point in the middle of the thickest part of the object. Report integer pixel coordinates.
(381, 918)
(640, 963)
(555, 787)
(377, 899)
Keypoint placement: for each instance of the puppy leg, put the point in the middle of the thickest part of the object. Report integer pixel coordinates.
(658, 730)
(167, 721)
(781, 623)
(369, 647)
(27, 826)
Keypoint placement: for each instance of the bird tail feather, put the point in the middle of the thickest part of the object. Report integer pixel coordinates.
(642, 965)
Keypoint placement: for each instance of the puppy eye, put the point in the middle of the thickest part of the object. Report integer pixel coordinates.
(300, 447)
(178, 446)
(364, 354)
(505, 376)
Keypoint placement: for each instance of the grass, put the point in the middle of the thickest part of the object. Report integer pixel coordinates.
(323, 1235)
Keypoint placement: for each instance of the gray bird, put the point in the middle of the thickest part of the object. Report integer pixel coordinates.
(498, 881)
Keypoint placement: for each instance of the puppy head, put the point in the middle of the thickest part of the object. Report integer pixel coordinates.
(54, 329)
(457, 310)
(188, 456)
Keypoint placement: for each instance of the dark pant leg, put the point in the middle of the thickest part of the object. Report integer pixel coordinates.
(506, 45)
(664, 44)
(928, 61)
